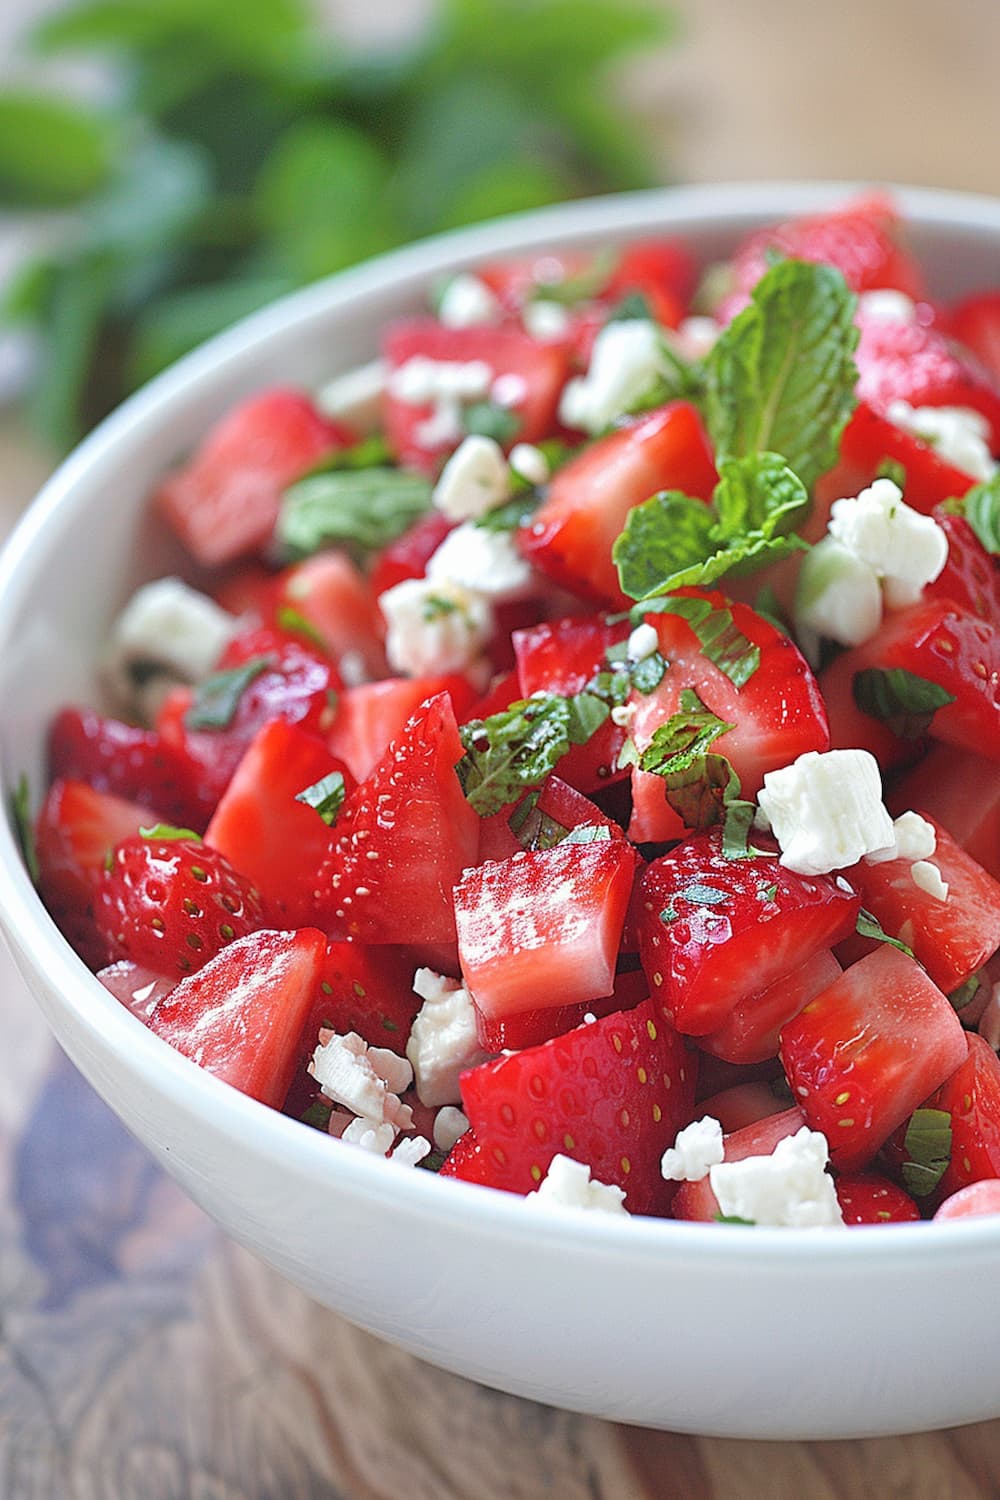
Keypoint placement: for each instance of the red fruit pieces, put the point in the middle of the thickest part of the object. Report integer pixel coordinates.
(543, 928)
(369, 717)
(951, 938)
(750, 1032)
(172, 904)
(613, 1093)
(971, 576)
(224, 501)
(241, 1016)
(866, 1052)
(916, 363)
(367, 990)
(971, 1097)
(870, 1198)
(713, 931)
(696, 1200)
(403, 839)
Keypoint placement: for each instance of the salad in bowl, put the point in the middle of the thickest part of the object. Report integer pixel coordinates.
(561, 753)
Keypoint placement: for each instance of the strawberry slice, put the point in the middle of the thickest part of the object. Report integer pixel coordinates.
(571, 535)
(696, 1200)
(529, 1028)
(952, 938)
(467, 1162)
(139, 989)
(866, 1052)
(915, 362)
(612, 1094)
(224, 501)
(241, 1016)
(959, 791)
(135, 764)
(543, 928)
(871, 443)
(265, 832)
(973, 1201)
(408, 555)
(335, 599)
(713, 931)
(975, 322)
(367, 990)
(870, 1198)
(75, 832)
(403, 839)
(970, 576)
(972, 1097)
(750, 1032)
(172, 904)
(371, 716)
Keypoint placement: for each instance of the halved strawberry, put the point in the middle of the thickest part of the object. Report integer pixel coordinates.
(403, 839)
(713, 931)
(971, 1097)
(951, 938)
(135, 764)
(740, 1104)
(871, 444)
(224, 501)
(750, 1032)
(139, 989)
(265, 832)
(367, 990)
(241, 1016)
(543, 928)
(870, 1198)
(408, 555)
(75, 832)
(529, 1028)
(970, 576)
(370, 716)
(866, 1052)
(696, 1200)
(571, 535)
(975, 322)
(332, 596)
(613, 1094)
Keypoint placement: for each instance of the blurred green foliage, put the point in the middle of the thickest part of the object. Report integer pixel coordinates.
(245, 151)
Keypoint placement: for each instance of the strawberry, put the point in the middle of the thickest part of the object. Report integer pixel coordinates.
(529, 1028)
(914, 362)
(749, 1033)
(714, 931)
(139, 989)
(613, 1094)
(870, 443)
(978, 1198)
(136, 764)
(224, 501)
(866, 1052)
(870, 1198)
(76, 829)
(696, 1200)
(975, 322)
(971, 576)
(959, 791)
(172, 904)
(971, 1096)
(403, 839)
(241, 1016)
(333, 597)
(369, 717)
(409, 554)
(571, 535)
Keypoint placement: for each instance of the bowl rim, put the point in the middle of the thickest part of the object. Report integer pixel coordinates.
(278, 1136)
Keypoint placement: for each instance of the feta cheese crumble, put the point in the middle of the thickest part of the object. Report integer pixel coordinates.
(958, 434)
(167, 634)
(642, 643)
(530, 462)
(450, 1124)
(434, 626)
(697, 1148)
(411, 1151)
(368, 1080)
(927, 877)
(626, 362)
(838, 594)
(474, 481)
(826, 810)
(568, 1184)
(467, 302)
(486, 562)
(545, 319)
(445, 386)
(913, 838)
(887, 305)
(370, 1135)
(356, 396)
(443, 1040)
(790, 1188)
(906, 550)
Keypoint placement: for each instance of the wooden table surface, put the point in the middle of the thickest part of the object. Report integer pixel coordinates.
(144, 1355)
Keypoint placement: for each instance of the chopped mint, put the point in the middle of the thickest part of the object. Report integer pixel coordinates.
(735, 1219)
(928, 1148)
(981, 508)
(724, 645)
(700, 785)
(489, 419)
(534, 829)
(294, 623)
(368, 453)
(868, 926)
(217, 698)
(364, 509)
(167, 832)
(903, 701)
(967, 991)
(513, 751)
(325, 796)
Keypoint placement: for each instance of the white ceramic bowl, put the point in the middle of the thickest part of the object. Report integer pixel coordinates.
(698, 1328)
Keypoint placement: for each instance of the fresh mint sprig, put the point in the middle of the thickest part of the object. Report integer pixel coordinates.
(361, 508)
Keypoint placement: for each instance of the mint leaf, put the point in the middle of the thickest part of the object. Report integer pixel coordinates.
(758, 494)
(24, 828)
(724, 645)
(217, 698)
(533, 828)
(685, 738)
(514, 750)
(869, 926)
(325, 796)
(967, 990)
(363, 508)
(168, 833)
(900, 699)
(512, 514)
(489, 419)
(372, 452)
(928, 1149)
(737, 823)
(781, 377)
(291, 620)
(734, 1219)
(699, 784)
(665, 545)
(981, 508)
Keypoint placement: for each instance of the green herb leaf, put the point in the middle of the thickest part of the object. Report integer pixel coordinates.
(757, 495)
(665, 545)
(364, 508)
(532, 828)
(724, 645)
(648, 673)
(981, 508)
(217, 698)
(684, 738)
(510, 516)
(781, 377)
(289, 619)
(168, 832)
(700, 786)
(967, 991)
(737, 823)
(24, 828)
(513, 751)
(489, 419)
(902, 700)
(372, 452)
(326, 796)
(869, 926)
(735, 1219)
(928, 1149)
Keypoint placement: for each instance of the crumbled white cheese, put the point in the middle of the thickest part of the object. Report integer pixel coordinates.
(959, 434)
(695, 337)
(444, 385)
(167, 634)
(642, 642)
(913, 838)
(927, 877)
(697, 1148)
(789, 1188)
(467, 302)
(474, 481)
(356, 396)
(568, 1184)
(411, 1150)
(365, 1079)
(625, 364)
(509, 389)
(530, 462)
(450, 1124)
(623, 714)
(443, 1040)
(826, 810)
(906, 550)
(838, 595)
(434, 626)
(486, 562)
(888, 305)
(545, 319)
(370, 1135)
